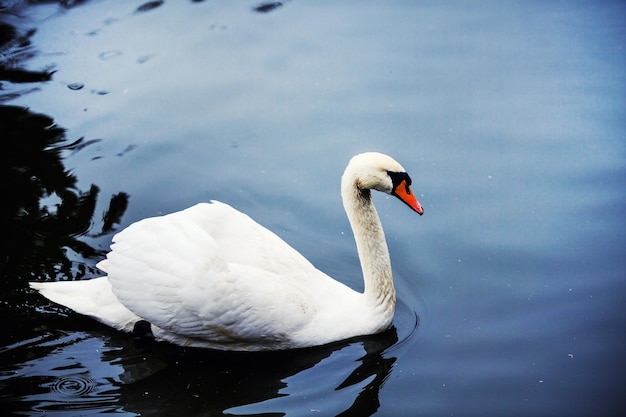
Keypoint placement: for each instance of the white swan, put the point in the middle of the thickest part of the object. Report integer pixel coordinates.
(211, 277)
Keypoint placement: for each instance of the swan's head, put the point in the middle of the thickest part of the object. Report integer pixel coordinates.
(380, 172)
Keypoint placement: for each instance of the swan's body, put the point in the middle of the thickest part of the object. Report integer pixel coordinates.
(209, 276)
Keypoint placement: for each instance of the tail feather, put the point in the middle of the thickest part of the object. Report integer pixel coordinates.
(93, 298)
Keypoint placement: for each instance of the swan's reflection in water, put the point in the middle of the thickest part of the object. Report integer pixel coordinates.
(269, 383)
(92, 369)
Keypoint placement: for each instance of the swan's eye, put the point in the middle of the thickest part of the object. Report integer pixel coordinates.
(398, 177)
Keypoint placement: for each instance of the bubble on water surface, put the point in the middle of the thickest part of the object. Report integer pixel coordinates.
(151, 5)
(267, 7)
(75, 86)
(108, 55)
(144, 58)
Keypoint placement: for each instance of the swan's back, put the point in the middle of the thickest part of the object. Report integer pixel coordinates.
(206, 236)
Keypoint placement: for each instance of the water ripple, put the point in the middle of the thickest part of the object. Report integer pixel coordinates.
(73, 386)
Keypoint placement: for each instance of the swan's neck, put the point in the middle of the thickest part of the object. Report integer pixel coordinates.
(371, 246)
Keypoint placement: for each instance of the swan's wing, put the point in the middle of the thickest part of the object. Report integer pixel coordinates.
(241, 240)
(210, 272)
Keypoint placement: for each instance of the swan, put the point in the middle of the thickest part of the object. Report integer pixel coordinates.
(211, 277)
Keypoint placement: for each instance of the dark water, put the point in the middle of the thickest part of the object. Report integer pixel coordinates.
(510, 117)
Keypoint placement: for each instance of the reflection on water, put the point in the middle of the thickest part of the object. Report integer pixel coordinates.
(43, 214)
(93, 369)
(15, 49)
(248, 384)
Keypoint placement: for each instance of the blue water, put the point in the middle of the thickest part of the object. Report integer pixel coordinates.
(509, 116)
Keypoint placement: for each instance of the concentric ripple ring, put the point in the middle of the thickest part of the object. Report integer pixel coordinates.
(73, 386)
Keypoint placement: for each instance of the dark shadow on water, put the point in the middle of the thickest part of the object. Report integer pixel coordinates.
(221, 382)
(15, 49)
(43, 214)
(90, 368)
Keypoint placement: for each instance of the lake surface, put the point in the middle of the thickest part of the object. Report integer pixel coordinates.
(509, 116)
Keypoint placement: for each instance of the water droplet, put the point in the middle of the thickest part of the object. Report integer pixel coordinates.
(144, 59)
(267, 7)
(75, 86)
(149, 6)
(108, 55)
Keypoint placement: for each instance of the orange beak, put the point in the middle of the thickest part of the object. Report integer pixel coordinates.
(404, 193)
